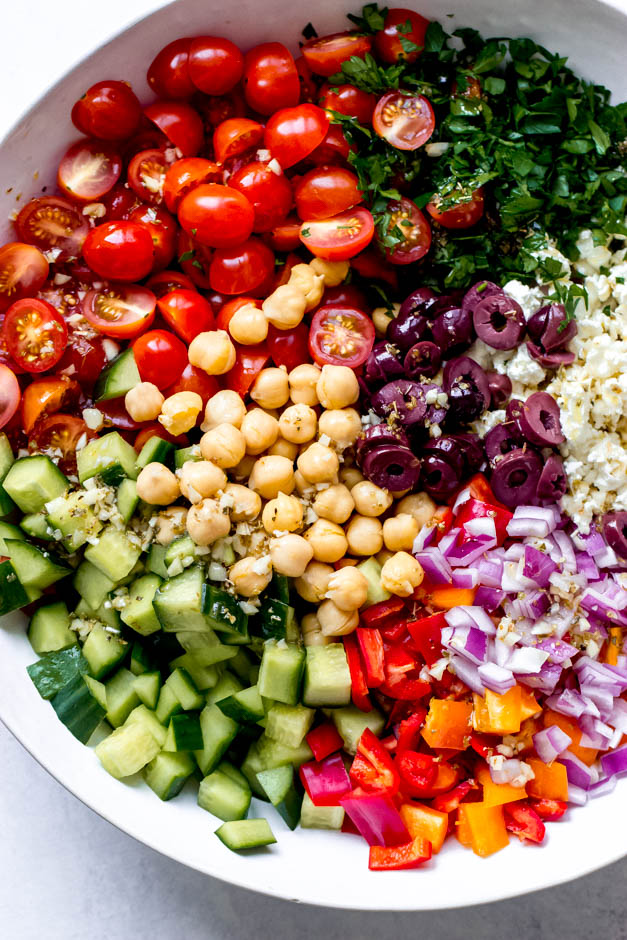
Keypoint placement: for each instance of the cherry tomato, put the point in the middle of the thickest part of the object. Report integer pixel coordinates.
(154, 429)
(9, 395)
(326, 191)
(242, 268)
(194, 259)
(270, 78)
(167, 281)
(116, 415)
(185, 175)
(146, 175)
(149, 138)
(88, 170)
(23, 271)
(340, 237)
(249, 362)
(120, 310)
(235, 136)
(469, 87)
(216, 215)
(289, 348)
(47, 395)
(463, 215)
(180, 123)
(324, 54)
(162, 228)
(215, 65)
(35, 334)
(341, 336)
(120, 251)
(345, 295)
(401, 28)
(107, 111)
(225, 314)
(293, 133)
(61, 432)
(119, 202)
(168, 75)
(84, 359)
(50, 222)
(308, 87)
(346, 99)
(373, 267)
(217, 108)
(269, 193)
(283, 272)
(187, 313)
(195, 380)
(334, 149)
(285, 236)
(161, 357)
(406, 121)
(408, 222)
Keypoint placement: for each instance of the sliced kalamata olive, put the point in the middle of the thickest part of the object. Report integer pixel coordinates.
(499, 321)
(392, 467)
(465, 404)
(513, 409)
(436, 410)
(515, 478)
(403, 399)
(552, 482)
(407, 330)
(536, 324)
(501, 440)
(558, 330)
(615, 532)
(539, 420)
(438, 477)
(550, 360)
(378, 435)
(477, 293)
(500, 388)
(443, 304)
(383, 363)
(447, 447)
(464, 369)
(423, 359)
(472, 448)
(417, 301)
(452, 331)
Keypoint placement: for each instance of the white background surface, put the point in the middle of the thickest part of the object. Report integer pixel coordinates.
(64, 873)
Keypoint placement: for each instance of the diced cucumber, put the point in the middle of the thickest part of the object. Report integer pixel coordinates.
(351, 724)
(218, 731)
(203, 677)
(122, 697)
(183, 454)
(168, 772)
(92, 584)
(236, 775)
(243, 666)
(222, 796)
(278, 785)
(148, 719)
(180, 683)
(57, 669)
(36, 526)
(280, 587)
(49, 628)
(276, 620)
(147, 685)
(139, 614)
(227, 685)
(109, 457)
(107, 615)
(182, 550)
(245, 834)
(223, 612)
(281, 672)
(178, 602)
(372, 571)
(35, 567)
(327, 676)
(155, 450)
(103, 650)
(140, 660)
(272, 754)
(34, 481)
(114, 554)
(12, 594)
(288, 724)
(6, 461)
(118, 378)
(244, 706)
(9, 531)
(127, 750)
(127, 499)
(184, 733)
(98, 690)
(78, 709)
(320, 817)
(74, 519)
(167, 705)
(156, 560)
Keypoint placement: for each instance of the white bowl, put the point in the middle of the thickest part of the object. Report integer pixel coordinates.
(310, 866)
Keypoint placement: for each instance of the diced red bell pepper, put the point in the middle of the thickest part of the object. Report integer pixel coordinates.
(407, 690)
(482, 744)
(390, 743)
(324, 740)
(409, 731)
(477, 509)
(524, 821)
(394, 632)
(417, 772)
(325, 781)
(447, 777)
(551, 810)
(373, 768)
(481, 489)
(397, 857)
(427, 636)
(448, 802)
(443, 518)
(372, 654)
(359, 689)
(385, 611)
(398, 662)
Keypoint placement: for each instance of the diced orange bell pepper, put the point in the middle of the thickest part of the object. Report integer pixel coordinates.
(423, 822)
(462, 828)
(614, 645)
(446, 597)
(498, 714)
(550, 781)
(587, 754)
(495, 794)
(448, 724)
(528, 705)
(486, 826)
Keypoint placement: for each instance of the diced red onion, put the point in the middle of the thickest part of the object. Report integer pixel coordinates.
(538, 566)
(550, 743)
(532, 605)
(484, 525)
(377, 819)
(566, 547)
(604, 606)
(602, 787)
(496, 678)
(424, 538)
(471, 616)
(508, 771)
(527, 659)
(515, 552)
(592, 543)
(615, 762)
(532, 520)
(597, 733)
(462, 497)
(576, 795)
(618, 716)
(489, 598)
(470, 551)
(559, 651)
(569, 703)
(490, 570)
(468, 641)
(435, 565)
(467, 672)
(447, 543)
(465, 577)
(545, 680)
(606, 558)
(578, 773)
(587, 566)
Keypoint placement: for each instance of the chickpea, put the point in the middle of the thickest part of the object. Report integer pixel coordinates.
(170, 524)
(282, 514)
(303, 486)
(335, 504)
(157, 485)
(283, 448)
(418, 505)
(248, 325)
(350, 476)
(213, 352)
(225, 407)
(383, 556)
(271, 476)
(305, 279)
(348, 588)
(250, 576)
(180, 411)
(303, 380)
(327, 540)
(246, 503)
(314, 583)
(332, 272)
(370, 500)
(336, 622)
(298, 424)
(290, 555)
(342, 425)
(319, 464)
(382, 317)
(401, 574)
(285, 307)
(337, 387)
(271, 388)
(199, 479)
(244, 468)
(399, 532)
(206, 522)
(224, 445)
(311, 632)
(143, 403)
(364, 535)
(260, 430)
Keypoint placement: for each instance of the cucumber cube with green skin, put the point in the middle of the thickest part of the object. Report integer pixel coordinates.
(119, 377)
(327, 676)
(92, 584)
(34, 481)
(57, 669)
(182, 549)
(49, 628)
(205, 647)
(140, 660)
(35, 567)
(156, 560)
(180, 684)
(6, 461)
(113, 554)
(148, 685)
(12, 593)
(148, 719)
(276, 620)
(281, 672)
(272, 754)
(74, 519)
(78, 709)
(178, 602)
(183, 454)
(278, 785)
(288, 724)
(10, 531)
(36, 525)
(127, 750)
(227, 685)
(320, 817)
(245, 834)
(127, 499)
(167, 705)
(168, 773)
(109, 457)
(244, 706)
(231, 771)
(371, 569)
(98, 690)
(103, 650)
(222, 796)
(218, 732)
(155, 450)
(184, 733)
(122, 697)
(139, 614)
(223, 611)
(203, 677)
(351, 724)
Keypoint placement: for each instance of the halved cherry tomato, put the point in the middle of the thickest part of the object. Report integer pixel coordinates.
(334, 148)
(217, 108)
(168, 74)
(465, 213)
(346, 99)
(235, 136)
(466, 86)
(10, 394)
(184, 175)
(194, 259)
(180, 123)
(341, 336)
(326, 191)
(215, 64)
(417, 772)
(192, 379)
(242, 268)
(270, 78)
(35, 334)
(409, 225)
(373, 267)
(187, 312)
(83, 359)
(61, 432)
(345, 295)
(116, 415)
(146, 175)
(289, 348)
(225, 314)
(154, 429)
(50, 222)
(108, 111)
(120, 251)
(269, 193)
(162, 228)
(341, 237)
(293, 133)
(118, 202)
(45, 396)
(249, 362)
(406, 121)
(285, 236)
(402, 30)
(161, 357)
(324, 54)
(166, 281)
(120, 310)
(216, 215)
(308, 87)
(88, 170)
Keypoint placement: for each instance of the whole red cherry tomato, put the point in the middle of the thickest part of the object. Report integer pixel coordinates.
(119, 202)
(289, 348)
(195, 380)
(164, 282)
(241, 268)
(119, 251)
(346, 99)
(334, 148)
(402, 37)
(184, 175)
(187, 312)
(161, 357)
(269, 192)
(326, 191)
(215, 65)
(162, 228)
(293, 133)
(270, 78)
(216, 215)
(108, 111)
(168, 75)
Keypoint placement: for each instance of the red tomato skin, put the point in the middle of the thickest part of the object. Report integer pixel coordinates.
(23, 271)
(387, 42)
(354, 230)
(216, 215)
(242, 268)
(51, 324)
(119, 251)
(333, 150)
(195, 380)
(344, 295)
(154, 429)
(47, 395)
(147, 163)
(184, 175)
(63, 432)
(363, 329)
(161, 357)
(249, 362)
(225, 314)
(326, 191)
(464, 215)
(90, 189)
(215, 64)
(194, 259)
(53, 211)
(180, 123)
(407, 254)
(285, 236)
(119, 202)
(162, 229)
(412, 113)
(289, 348)
(187, 313)
(108, 110)
(269, 193)
(235, 136)
(324, 54)
(270, 78)
(371, 265)
(168, 74)
(84, 359)
(10, 395)
(164, 282)
(136, 315)
(308, 87)
(293, 133)
(346, 99)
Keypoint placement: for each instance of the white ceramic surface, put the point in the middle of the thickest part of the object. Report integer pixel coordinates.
(316, 867)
